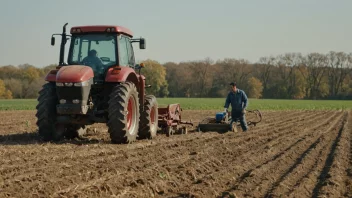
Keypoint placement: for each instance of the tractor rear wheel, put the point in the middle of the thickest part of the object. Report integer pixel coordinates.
(123, 113)
(148, 125)
(46, 112)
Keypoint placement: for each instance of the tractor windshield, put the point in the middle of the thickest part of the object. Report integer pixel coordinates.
(95, 50)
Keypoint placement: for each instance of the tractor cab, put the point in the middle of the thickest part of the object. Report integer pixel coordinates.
(101, 47)
(97, 51)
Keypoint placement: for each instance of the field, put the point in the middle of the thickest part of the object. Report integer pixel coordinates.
(212, 104)
(300, 150)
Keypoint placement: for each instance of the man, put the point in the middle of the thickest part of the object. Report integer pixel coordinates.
(93, 61)
(239, 102)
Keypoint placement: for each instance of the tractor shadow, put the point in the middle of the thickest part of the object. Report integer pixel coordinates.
(29, 138)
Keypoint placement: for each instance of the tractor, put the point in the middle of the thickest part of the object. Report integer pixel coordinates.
(100, 83)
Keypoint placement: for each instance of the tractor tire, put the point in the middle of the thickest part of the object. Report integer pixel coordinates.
(46, 113)
(148, 125)
(123, 113)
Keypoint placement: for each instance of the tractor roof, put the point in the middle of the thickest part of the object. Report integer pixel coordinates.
(101, 28)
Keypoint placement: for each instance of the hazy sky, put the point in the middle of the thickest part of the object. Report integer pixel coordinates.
(181, 30)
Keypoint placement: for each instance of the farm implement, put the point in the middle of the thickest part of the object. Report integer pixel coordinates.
(222, 122)
(169, 120)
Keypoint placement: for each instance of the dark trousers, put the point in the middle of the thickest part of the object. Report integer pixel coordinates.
(238, 115)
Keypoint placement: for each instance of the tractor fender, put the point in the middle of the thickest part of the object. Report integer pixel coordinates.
(51, 76)
(122, 76)
(128, 74)
(125, 74)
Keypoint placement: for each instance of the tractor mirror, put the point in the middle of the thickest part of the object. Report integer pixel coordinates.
(142, 43)
(52, 41)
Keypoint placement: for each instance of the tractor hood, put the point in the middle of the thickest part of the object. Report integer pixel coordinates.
(74, 73)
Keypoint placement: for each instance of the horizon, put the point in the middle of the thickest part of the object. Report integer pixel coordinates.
(234, 29)
(178, 62)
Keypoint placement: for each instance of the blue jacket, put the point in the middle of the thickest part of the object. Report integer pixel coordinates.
(238, 100)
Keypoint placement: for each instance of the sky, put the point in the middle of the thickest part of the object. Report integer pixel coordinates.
(182, 30)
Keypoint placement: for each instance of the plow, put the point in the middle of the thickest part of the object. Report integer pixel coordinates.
(169, 120)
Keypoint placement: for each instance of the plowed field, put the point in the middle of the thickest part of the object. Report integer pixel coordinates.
(289, 154)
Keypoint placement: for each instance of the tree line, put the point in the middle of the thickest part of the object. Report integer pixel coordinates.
(286, 76)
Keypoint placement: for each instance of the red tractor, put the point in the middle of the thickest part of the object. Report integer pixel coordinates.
(100, 83)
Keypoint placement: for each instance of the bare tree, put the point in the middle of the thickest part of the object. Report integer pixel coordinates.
(202, 76)
(237, 70)
(338, 63)
(287, 65)
(316, 65)
(264, 71)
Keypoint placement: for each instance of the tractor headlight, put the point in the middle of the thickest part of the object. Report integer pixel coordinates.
(59, 84)
(68, 84)
(82, 84)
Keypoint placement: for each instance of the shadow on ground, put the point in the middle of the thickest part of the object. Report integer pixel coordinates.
(33, 138)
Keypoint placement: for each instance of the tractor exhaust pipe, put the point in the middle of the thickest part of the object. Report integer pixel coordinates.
(62, 47)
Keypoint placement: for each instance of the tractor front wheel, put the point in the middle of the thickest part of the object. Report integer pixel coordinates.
(123, 113)
(46, 112)
(149, 119)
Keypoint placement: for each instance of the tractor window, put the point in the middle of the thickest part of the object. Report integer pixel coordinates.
(80, 49)
(123, 51)
(84, 50)
(131, 61)
(105, 50)
(95, 50)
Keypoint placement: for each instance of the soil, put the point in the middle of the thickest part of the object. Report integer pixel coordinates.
(288, 154)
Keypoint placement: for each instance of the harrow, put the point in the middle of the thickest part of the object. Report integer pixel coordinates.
(223, 122)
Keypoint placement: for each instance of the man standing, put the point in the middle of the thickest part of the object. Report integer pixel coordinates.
(239, 102)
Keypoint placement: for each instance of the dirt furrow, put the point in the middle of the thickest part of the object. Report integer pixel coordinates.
(295, 172)
(257, 181)
(101, 152)
(293, 147)
(334, 179)
(304, 173)
(177, 159)
(330, 159)
(281, 120)
(225, 164)
(309, 184)
(247, 152)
